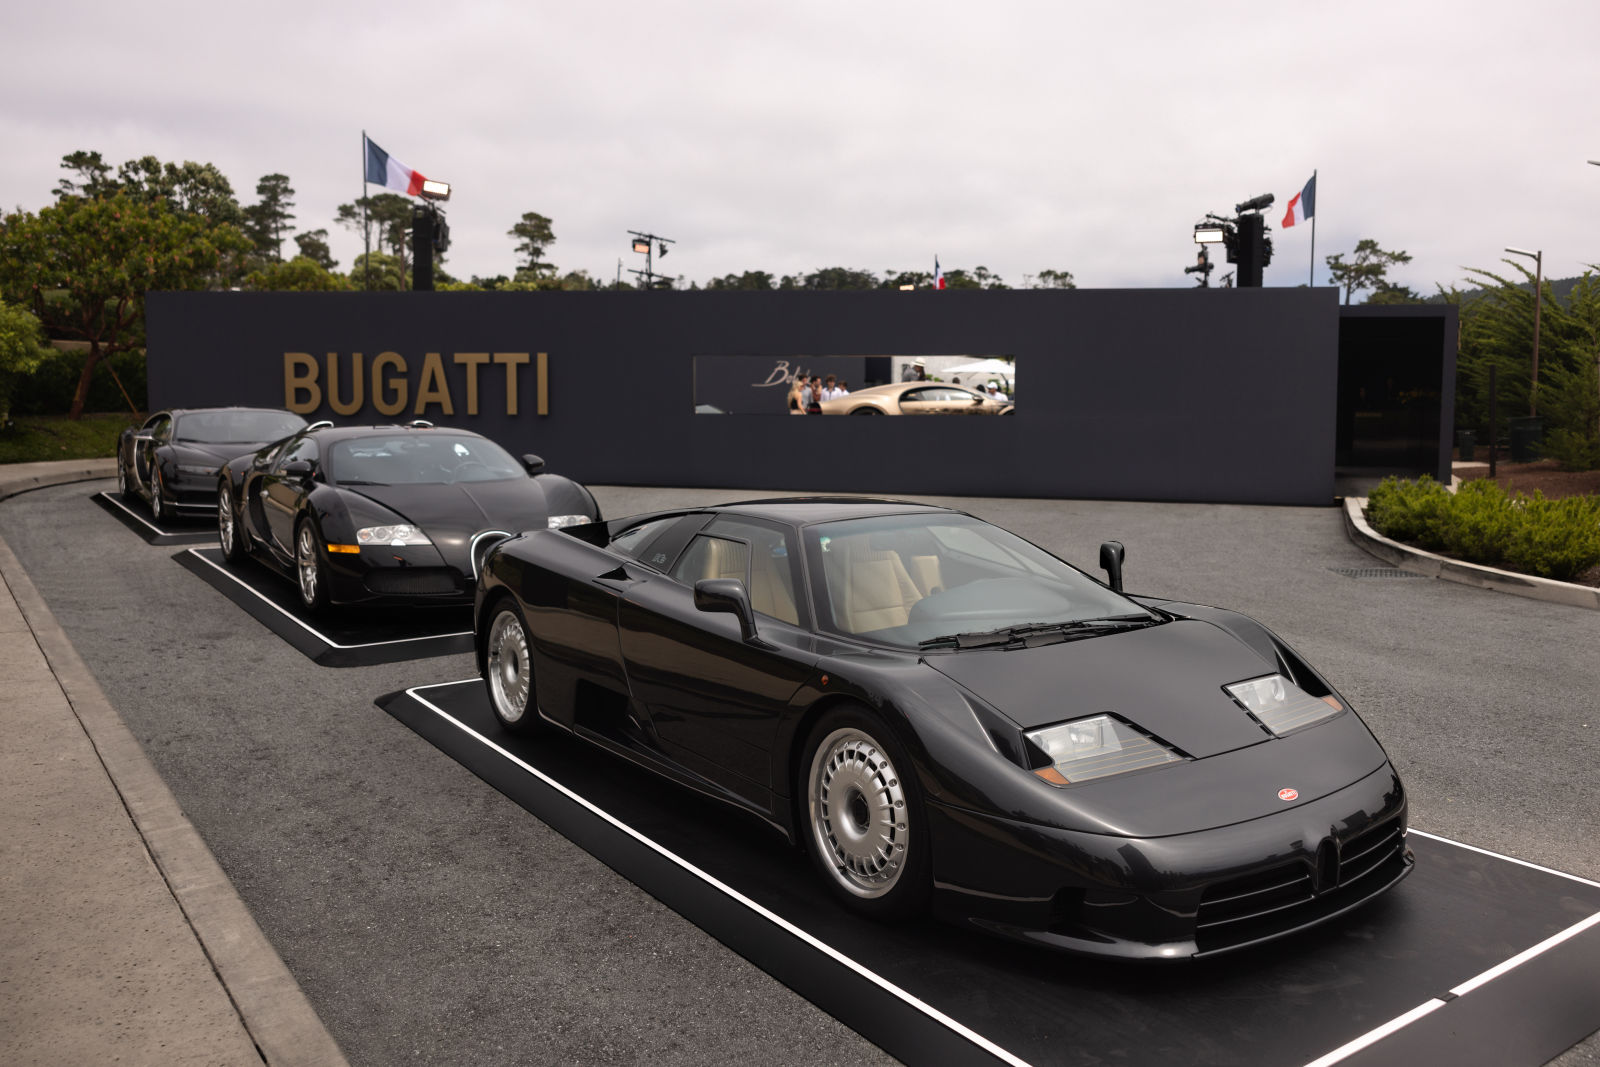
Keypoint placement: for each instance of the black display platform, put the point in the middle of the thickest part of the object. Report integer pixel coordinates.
(342, 637)
(180, 531)
(1417, 976)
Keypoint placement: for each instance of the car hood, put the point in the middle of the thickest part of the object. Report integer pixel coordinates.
(213, 452)
(513, 505)
(1165, 679)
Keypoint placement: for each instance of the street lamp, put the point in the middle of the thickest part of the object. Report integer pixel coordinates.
(1538, 286)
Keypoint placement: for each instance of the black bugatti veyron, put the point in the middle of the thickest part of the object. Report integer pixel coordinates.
(172, 460)
(946, 715)
(386, 513)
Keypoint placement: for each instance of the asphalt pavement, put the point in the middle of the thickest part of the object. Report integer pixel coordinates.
(426, 918)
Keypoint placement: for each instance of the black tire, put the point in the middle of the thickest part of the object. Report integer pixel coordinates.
(857, 786)
(866, 411)
(124, 489)
(508, 667)
(310, 572)
(158, 507)
(228, 532)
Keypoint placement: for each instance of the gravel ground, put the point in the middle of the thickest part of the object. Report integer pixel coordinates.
(430, 919)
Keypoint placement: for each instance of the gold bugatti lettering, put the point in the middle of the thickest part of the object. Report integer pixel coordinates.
(511, 360)
(433, 389)
(472, 361)
(544, 384)
(300, 375)
(379, 383)
(356, 389)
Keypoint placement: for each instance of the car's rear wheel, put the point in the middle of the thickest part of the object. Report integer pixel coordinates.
(508, 669)
(866, 411)
(228, 532)
(158, 507)
(124, 490)
(311, 576)
(864, 824)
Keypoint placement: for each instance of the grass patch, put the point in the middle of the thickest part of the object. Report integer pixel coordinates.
(38, 438)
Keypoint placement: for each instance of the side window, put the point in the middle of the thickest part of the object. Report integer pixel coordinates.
(713, 557)
(159, 428)
(632, 540)
(303, 449)
(772, 567)
(918, 395)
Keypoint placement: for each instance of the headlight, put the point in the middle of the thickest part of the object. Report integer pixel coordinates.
(189, 468)
(391, 535)
(1095, 748)
(558, 521)
(1280, 705)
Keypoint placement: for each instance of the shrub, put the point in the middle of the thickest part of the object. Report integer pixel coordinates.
(1478, 522)
(1410, 511)
(48, 391)
(1557, 539)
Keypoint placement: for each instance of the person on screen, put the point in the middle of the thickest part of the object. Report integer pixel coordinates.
(814, 396)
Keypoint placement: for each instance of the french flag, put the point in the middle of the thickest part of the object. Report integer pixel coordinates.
(387, 171)
(1302, 205)
(938, 275)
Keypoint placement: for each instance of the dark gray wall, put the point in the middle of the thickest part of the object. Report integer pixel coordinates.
(1192, 395)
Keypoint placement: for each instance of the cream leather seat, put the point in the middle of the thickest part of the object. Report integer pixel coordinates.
(870, 587)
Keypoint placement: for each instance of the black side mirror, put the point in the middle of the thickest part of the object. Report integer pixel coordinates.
(1111, 556)
(298, 468)
(727, 594)
(532, 463)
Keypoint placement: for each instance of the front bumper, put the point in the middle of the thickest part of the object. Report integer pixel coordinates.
(1184, 896)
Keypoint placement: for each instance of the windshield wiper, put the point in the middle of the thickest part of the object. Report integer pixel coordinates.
(1007, 635)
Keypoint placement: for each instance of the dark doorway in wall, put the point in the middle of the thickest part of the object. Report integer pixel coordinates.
(1396, 392)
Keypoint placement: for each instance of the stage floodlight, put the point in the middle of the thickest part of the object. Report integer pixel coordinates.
(641, 246)
(1208, 235)
(432, 190)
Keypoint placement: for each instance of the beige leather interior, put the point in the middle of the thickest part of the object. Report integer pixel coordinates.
(925, 572)
(871, 588)
(769, 581)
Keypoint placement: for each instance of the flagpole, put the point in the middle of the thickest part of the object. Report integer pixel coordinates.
(1311, 268)
(366, 227)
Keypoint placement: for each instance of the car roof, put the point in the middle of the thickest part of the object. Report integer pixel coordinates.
(345, 433)
(219, 410)
(805, 510)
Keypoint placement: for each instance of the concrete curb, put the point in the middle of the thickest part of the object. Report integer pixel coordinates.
(1417, 561)
(270, 1003)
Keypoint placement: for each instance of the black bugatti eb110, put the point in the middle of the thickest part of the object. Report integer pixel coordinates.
(946, 715)
(386, 513)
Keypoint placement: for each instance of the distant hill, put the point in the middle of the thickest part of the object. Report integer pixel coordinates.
(1560, 288)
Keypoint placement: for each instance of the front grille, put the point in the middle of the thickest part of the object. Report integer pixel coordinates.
(413, 581)
(1252, 907)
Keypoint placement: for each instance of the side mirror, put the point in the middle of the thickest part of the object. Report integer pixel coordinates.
(298, 468)
(532, 463)
(727, 594)
(1111, 556)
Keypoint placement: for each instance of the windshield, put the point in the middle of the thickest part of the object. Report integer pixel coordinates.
(423, 458)
(235, 427)
(906, 580)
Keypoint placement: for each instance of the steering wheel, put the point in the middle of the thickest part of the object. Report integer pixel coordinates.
(455, 476)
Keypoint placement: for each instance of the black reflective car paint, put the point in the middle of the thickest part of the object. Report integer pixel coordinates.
(271, 503)
(1117, 866)
(151, 463)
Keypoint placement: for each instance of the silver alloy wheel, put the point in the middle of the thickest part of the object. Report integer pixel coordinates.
(858, 813)
(507, 666)
(156, 511)
(306, 565)
(122, 477)
(225, 519)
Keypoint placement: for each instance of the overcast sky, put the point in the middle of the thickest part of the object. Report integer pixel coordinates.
(1080, 137)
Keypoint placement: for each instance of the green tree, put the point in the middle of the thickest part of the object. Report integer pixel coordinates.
(917, 279)
(534, 237)
(299, 275)
(313, 245)
(379, 271)
(22, 351)
(1367, 269)
(1391, 293)
(267, 220)
(831, 278)
(84, 267)
(186, 188)
(750, 279)
(384, 219)
(93, 176)
(1054, 279)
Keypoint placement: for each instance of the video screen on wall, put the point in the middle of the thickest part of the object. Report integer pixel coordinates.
(855, 385)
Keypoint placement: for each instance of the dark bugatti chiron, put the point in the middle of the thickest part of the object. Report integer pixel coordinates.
(944, 714)
(379, 513)
(173, 459)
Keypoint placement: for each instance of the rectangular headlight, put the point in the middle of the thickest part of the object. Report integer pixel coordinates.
(1280, 705)
(1096, 748)
(558, 521)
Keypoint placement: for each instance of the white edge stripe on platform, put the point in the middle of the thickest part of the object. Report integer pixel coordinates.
(1501, 856)
(777, 920)
(1374, 1036)
(330, 642)
(1523, 957)
(135, 516)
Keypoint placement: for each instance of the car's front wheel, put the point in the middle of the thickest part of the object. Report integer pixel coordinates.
(228, 532)
(508, 669)
(864, 825)
(311, 576)
(124, 490)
